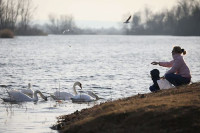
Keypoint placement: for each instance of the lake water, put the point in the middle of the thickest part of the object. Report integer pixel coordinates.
(113, 67)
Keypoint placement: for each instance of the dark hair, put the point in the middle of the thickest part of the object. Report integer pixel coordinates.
(178, 50)
(155, 74)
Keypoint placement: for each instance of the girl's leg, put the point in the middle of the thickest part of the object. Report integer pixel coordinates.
(176, 79)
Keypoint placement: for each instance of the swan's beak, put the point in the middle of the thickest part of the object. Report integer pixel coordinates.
(45, 99)
(81, 86)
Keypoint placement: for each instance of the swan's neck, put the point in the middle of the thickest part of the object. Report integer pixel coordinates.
(74, 89)
(42, 96)
(93, 95)
(35, 97)
(29, 86)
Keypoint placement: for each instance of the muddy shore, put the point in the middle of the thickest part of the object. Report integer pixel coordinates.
(174, 110)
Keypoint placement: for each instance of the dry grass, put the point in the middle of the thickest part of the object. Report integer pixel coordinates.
(6, 33)
(173, 110)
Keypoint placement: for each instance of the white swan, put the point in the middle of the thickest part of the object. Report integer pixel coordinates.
(17, 96)
(28, 91)
(61, 95)
(65, 95)
(90, 96)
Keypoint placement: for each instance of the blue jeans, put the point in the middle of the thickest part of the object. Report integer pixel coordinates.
(176, 79)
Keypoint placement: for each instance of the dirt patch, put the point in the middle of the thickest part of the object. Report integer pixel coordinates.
(173, 110)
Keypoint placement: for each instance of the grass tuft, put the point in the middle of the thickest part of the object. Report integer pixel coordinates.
(6, 33)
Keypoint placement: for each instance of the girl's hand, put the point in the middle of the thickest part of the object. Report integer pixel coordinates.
(154, 63)
(163, 77)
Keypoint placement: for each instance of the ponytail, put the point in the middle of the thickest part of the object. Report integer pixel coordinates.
(183, 51)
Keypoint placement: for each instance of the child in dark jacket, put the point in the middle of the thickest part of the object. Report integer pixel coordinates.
(155, 75)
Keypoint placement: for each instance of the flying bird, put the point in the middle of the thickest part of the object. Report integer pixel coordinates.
(127, 21)
(66, 31)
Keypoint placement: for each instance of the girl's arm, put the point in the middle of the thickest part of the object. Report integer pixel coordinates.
(167, 64)
(176, 65)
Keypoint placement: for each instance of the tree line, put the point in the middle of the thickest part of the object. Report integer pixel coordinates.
(65, 24)
(183, 19)
(16, 15)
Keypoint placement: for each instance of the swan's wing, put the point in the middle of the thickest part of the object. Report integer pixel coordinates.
(28, 92)
(93, 95)
(18, 96)
(62, 95)
(55, 98)
(128, 18)
(82, 98)
(9, 100)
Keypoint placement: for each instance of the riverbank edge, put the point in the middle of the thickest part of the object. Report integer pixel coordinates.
(172, 110)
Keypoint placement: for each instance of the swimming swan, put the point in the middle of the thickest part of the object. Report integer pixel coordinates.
(90, 96)
(65, 95)
(17, 96)
(61, 95)
(28, 91)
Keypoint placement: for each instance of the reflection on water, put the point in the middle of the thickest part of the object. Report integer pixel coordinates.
(35, 117)
(111, 66)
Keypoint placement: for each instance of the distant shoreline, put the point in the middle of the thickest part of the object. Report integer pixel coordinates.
(172, 110)
(94, 35)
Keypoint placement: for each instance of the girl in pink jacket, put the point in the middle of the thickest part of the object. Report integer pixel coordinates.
(179, 74)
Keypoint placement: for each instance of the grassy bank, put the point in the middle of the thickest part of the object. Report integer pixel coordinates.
(167, 111)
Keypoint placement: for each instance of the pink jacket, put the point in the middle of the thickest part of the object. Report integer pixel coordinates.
(178, 66)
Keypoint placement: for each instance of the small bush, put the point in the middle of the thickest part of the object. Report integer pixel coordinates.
(6, 33)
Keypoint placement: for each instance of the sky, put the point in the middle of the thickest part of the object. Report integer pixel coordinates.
(97, 13)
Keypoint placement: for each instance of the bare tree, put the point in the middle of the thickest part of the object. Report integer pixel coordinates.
(16, 15)
(9, 10)
(61, 25)
(53, 27)
(67, 24)
(25, 14)
(2, 5)
(13, 12)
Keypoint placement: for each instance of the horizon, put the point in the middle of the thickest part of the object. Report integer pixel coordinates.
(97, 13)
